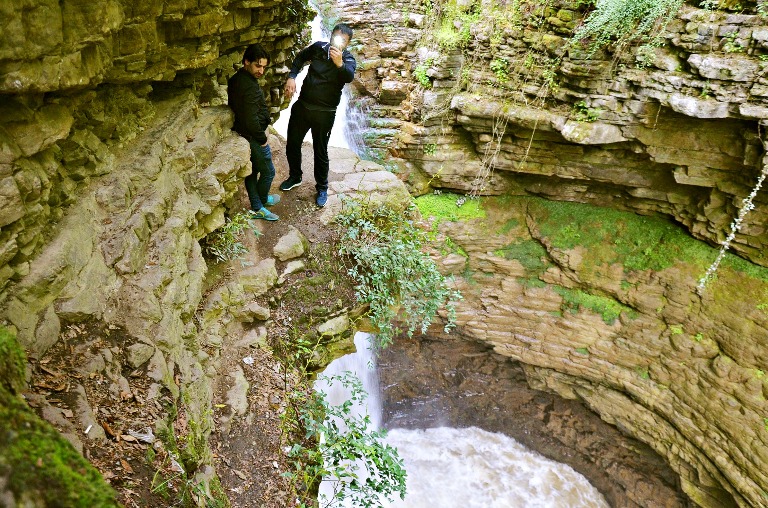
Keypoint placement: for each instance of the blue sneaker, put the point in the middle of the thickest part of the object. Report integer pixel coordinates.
(322, 197)
(265, 214)
(272, 200)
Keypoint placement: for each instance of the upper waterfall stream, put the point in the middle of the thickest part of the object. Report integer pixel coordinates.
(339, 135)
(465, 468)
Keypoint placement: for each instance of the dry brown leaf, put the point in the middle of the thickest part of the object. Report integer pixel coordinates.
(108, 429)
(128, 438)
(127, 467)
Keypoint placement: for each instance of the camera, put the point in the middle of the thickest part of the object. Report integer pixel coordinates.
(337, 41)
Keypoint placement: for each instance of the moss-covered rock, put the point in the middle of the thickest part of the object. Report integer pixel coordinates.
(37, 465)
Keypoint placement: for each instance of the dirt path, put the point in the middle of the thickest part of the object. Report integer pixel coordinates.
(248, 450)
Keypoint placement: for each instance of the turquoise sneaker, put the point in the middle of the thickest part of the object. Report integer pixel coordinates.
(265, 214)
(272, 200)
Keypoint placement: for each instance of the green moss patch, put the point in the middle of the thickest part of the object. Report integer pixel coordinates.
(608, 308)
(12, 362)
(36, 460)
(443, 207)
(530, 253)
(638, 242)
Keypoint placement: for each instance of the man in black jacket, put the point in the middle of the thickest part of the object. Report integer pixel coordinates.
(251, 120)
(331, 66)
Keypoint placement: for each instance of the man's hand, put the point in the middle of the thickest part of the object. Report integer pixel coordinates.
(290, 87)
(337, 57)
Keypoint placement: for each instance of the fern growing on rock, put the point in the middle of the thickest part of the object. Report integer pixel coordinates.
(626, 21)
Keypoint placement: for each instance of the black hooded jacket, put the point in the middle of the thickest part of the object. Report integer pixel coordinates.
(246, 100)
(321, 89)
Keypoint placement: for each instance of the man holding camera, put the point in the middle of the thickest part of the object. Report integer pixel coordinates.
(331, 66)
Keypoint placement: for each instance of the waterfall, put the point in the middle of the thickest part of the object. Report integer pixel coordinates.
(464, 468)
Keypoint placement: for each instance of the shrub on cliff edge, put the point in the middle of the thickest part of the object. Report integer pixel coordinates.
(393, 275)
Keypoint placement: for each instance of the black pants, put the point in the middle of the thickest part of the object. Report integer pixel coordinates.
(320, 123)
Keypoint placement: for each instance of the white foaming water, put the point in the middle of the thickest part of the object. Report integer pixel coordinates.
(338, 137)
(472, 468)
(463, 468)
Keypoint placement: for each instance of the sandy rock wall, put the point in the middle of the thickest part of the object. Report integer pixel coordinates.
(679, 132)
(680, 371)
(679, 135)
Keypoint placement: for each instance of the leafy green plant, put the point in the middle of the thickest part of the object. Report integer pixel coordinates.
(420, 73)
(225, 243)
(676, 329)
(731, 44)
(500, 67)
(339, 447)
(582, 350)
(392, 273)
(454, 29)
(705, 90)
(430, 149)
(624, 21)
(583, 113)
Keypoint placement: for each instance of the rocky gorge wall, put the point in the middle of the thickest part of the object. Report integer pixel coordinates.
(116, 160)
(507, 106)
(464, 96)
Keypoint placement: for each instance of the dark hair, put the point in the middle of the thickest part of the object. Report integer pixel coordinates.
(344, 29)
(255, 52)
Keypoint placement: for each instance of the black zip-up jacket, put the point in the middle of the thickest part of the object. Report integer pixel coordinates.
(246, 100)
(321, 88)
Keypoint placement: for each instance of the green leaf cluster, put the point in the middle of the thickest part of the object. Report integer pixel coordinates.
(399, 282)
(225, 243)
(624, 21)
(420, 73)
(341, 448)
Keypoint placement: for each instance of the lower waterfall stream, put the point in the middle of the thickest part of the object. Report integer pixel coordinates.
(463, 468)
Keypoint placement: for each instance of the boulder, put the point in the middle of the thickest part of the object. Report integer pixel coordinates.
(290, 246)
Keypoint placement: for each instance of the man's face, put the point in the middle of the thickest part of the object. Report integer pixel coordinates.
(340, 40)
(256, 68)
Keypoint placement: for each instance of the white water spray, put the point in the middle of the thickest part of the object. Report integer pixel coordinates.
(464, 468)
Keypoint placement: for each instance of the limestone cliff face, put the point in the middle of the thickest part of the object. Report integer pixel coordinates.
(518, 111)
(116, 158)
(680, 135)
(49, 46)
(94, 123)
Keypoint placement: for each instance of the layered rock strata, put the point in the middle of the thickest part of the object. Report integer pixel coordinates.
(677, 132)
(485, 100)
(680, 371)
(445, 381)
